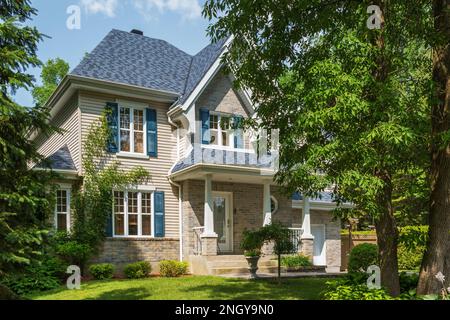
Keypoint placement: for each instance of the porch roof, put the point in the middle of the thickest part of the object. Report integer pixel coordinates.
(60, 160)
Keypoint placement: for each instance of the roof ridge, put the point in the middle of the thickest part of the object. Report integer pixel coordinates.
(151, 38)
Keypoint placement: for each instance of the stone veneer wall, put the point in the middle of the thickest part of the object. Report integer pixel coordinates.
(247, 214)
(123, 251)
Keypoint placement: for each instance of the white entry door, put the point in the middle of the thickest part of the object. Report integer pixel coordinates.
(223, 224)
(319, 252)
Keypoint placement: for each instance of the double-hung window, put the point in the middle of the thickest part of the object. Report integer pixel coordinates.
(220, 130)
(62, 210)
(132, 128)
(133, 214)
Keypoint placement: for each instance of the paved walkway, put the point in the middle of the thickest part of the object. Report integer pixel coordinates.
(287, 275)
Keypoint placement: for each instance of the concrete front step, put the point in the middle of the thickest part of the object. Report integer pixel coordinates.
(242, 264)
(240, 270)
(237, 264)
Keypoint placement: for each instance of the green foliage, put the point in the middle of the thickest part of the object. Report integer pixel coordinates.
(92, 204)
(53, 71)
(355, 100)
(251, 243)
(362, 256)
(408, 282)
(137, 270)
(294, 261)
(339, 291)
(74, 253)
(39, 276)
(412, 244)
(172, 268)
(25, 198)
(102, 271)
(280, 236)
(413, 236)
(410, 259)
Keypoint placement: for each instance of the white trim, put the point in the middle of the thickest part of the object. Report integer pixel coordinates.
(224, 168)
(139, 191)
(68, 188)
(207, 77)
(132, 107)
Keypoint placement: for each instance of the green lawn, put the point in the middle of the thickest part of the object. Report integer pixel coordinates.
(192, 288)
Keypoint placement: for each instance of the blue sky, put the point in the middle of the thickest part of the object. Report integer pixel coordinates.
(176, 21)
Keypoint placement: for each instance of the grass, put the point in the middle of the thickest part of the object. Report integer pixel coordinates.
(192, 288)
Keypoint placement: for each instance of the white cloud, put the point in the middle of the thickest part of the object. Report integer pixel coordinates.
(107, 7)
(188, 9)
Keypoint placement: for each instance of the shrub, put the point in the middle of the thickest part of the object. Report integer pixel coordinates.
(171, 268)
(40, 276)
(362, 256)
(74, 252)
(410, 258)
(251, 243)
(408, 282)
(295, 261)
(102, 271)
(137, 270)
(338, 290)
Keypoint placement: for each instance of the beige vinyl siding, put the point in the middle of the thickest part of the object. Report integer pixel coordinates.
(66, 119)
(92, 106)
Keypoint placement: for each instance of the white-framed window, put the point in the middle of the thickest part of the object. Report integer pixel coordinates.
(132, 124)
(133, 214)
(220, 130)
(62, 210)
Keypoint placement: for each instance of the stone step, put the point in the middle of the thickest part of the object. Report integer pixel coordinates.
(243, 263)
(240, 270)
(225, 258)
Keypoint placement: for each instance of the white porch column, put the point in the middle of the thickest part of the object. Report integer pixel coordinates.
(307, 238)
(267, 208)
(208, 214)
(306, 225)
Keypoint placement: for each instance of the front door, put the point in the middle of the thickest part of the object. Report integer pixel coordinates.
(222, 208)
(319, 249)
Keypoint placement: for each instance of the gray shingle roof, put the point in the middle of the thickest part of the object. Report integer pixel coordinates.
(133, 59)
(60, 160)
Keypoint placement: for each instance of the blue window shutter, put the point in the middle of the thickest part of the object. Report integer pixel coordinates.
(109, 226)
(152, 133)
(159, 214)
(112, 110)
(206, 134)
(238, 132)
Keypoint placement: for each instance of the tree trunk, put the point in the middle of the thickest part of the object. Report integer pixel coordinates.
(387, 239)
(437, 255)
(386, 228)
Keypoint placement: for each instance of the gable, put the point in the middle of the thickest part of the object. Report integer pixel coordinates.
(220, 96)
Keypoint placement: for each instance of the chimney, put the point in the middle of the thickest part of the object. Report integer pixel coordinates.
(136, 31)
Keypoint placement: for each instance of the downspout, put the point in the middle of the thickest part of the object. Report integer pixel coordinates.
(180, 202)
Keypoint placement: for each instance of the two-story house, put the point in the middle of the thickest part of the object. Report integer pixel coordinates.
(173, 114)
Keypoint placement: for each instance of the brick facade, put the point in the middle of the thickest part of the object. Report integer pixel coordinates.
(248, 214)
(123, 251)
